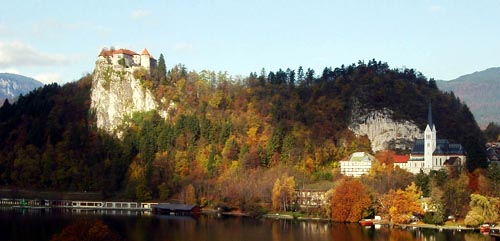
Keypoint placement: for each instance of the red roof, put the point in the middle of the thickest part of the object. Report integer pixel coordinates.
(145, 52)
(110, 52)
(401, 158)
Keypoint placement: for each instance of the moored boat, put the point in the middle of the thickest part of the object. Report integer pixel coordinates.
(485, 228)
(366, 222)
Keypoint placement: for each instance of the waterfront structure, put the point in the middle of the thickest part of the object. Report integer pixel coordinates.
(431, 153)
(176, 209)
(359, 163)
(310, 198)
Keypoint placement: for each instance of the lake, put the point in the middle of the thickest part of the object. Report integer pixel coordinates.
(30, 225)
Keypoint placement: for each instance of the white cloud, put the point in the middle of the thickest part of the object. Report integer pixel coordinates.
(436, 9)
(183, 47)
(140, 13)
(49, 78)
(20, 54)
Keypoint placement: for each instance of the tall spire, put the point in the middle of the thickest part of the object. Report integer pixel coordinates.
(429, 117)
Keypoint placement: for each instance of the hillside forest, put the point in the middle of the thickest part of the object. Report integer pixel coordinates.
(242, 143)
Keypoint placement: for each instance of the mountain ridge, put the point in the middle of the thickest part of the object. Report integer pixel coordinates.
(479, 90)
(12, 85)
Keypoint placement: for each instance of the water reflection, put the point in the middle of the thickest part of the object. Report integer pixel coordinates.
(41, 225)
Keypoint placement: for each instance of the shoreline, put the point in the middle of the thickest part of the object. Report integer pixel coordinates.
(401, 226)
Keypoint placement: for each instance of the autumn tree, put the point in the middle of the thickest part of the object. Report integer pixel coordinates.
(382, 178)
(350, 201)
(189, 194)
(386, 157)
(492, 132)
(493, 175)
(483, 210)
(422, 180)
(398, 206)
(283, 192)
(456, 196)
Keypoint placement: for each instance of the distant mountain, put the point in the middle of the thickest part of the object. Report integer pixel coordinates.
(12, 85)
(480, 91)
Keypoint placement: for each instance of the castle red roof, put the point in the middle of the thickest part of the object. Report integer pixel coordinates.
(145, 52)
(110, 52)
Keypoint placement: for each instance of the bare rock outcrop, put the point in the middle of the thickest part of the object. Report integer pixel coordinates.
(383, 131)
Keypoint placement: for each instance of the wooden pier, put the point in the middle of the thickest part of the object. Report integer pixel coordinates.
(90, 205)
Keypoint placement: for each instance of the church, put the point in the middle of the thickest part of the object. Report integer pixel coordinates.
(431, 153)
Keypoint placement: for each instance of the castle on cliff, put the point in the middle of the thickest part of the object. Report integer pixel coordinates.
(127, 58)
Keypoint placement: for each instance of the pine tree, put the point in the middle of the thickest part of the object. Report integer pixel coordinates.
(162, 70)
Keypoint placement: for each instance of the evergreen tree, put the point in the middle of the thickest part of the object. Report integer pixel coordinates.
(162, 70)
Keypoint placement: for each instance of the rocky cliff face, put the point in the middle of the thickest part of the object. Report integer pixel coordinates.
(116, 94)
(383, 131)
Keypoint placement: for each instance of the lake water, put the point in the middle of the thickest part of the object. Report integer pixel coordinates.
(30, 225)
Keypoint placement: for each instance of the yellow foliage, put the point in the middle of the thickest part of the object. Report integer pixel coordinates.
(252, 135)
(310, 167)
(398, 206)
(283, 192)
(136, 171)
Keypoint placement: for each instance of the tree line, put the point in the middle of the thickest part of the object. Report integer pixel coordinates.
(227, 140)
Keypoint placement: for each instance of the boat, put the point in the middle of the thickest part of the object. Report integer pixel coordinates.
(485, 228)
(366, 222)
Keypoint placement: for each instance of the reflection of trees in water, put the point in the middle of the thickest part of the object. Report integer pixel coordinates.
(476, 237)
(343, 231)
(299, 230)
(94, 230)
(160, 228)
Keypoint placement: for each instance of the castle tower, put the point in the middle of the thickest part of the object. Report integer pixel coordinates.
(145, 59)
(429, 140)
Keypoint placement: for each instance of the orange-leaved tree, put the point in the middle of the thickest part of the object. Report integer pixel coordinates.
(350, 200)
(398, 206)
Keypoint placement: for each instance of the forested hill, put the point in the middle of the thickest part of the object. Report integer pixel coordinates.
(226, 139)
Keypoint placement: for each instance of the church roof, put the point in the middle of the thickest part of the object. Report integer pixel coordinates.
(443, 147)
(401, 158)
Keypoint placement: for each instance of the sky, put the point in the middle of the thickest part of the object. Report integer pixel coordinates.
(58, 41)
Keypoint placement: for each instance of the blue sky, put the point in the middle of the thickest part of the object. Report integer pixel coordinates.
(58, 41)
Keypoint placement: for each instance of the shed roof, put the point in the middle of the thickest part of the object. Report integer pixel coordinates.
(175, 207)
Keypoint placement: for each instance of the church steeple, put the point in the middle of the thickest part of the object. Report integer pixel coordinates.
(429, 117)
(429, 140)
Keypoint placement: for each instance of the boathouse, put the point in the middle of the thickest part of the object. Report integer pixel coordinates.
(176, 209)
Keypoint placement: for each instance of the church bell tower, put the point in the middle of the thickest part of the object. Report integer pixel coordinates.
(429, 140)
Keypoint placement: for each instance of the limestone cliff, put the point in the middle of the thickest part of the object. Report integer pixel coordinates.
(383, 131)
(116, 94)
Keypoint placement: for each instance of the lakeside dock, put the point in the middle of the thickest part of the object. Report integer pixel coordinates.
(70, 204)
